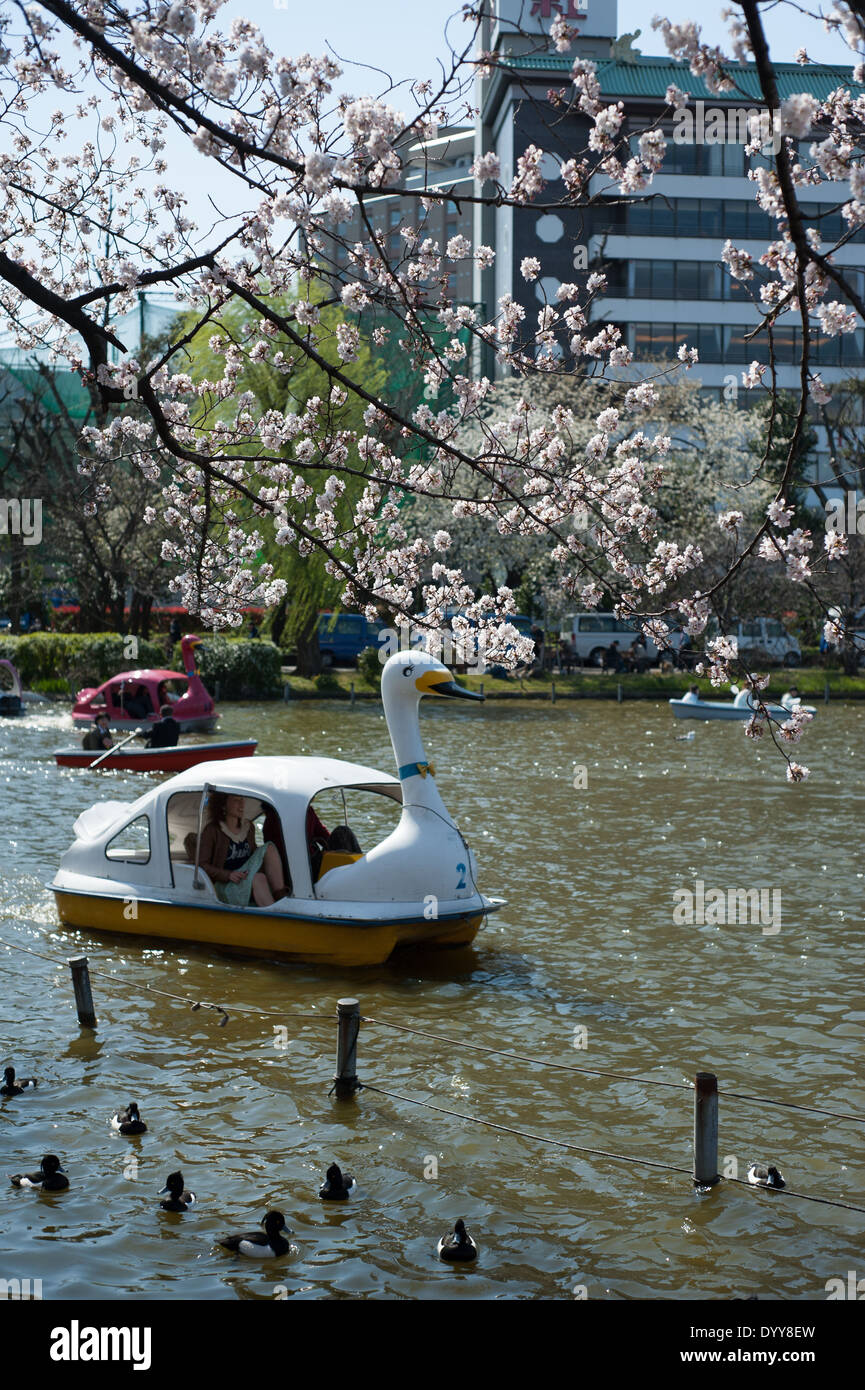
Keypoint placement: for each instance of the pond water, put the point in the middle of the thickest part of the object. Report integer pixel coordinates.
(590, 818)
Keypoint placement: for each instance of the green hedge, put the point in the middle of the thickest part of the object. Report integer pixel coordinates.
(47, 659)
(245, 668)
(61, 663)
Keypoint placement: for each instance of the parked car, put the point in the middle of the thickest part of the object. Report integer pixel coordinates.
(343, 636)
(765, 637)
(592, 633)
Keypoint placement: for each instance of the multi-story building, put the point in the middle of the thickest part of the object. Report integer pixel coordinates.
(441, 162)
(660, 250)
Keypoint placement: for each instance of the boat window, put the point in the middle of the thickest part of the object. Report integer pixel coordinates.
(131, 845)
(369, 812)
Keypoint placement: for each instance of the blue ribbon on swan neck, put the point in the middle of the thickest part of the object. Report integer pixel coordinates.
(416, 769)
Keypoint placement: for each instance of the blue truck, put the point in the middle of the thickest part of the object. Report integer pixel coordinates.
(343, 636)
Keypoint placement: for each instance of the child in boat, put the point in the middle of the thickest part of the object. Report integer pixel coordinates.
(693, 695)
(229, 856)
(97, 739)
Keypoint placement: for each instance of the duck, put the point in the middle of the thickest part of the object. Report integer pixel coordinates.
(178, 1199)
(13, 1087)
(458, 1247)
(338, 1186)
(50, 1177)
(129, 1121)
(261, 1245)
(426, 853)
(765, 1175)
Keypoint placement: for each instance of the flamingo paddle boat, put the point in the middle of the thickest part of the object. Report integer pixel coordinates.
(133, 698)
(11, 701)
(136, 868)
(176, 759)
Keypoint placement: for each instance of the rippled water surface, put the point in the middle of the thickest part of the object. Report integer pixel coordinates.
(587, 942)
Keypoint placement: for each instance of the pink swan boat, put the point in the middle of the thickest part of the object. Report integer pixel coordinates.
(132, 699)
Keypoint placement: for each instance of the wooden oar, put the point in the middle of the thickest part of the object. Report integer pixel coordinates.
(136, 733)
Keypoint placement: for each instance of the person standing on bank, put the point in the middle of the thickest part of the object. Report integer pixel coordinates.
(229, 856)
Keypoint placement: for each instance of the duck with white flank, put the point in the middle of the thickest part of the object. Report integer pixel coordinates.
(178, 1199)
(261, 1245)
(458, 1247)
(13, 1087)
(129, 1121)
(765, 1175)
(345, 906)
(50, 1177)
(338, 1186)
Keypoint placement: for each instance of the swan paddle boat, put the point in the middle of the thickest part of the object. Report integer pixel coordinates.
(740, 707)
(135, 868)
(11, 700)
(176, 759)
(133, 698)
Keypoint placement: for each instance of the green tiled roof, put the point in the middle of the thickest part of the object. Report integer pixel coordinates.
(650, 77)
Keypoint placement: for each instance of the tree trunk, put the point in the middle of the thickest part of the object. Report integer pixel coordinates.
(308, 653)
(278, 620)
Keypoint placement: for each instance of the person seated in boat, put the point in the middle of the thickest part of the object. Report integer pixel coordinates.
(692, 696)
(135, 701)
(165, 733)
(238, 868)
(319, 839)
(791, 699)
(743, 697)
(97, 739)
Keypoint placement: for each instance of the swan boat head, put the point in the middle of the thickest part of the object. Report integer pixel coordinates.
(425, 857)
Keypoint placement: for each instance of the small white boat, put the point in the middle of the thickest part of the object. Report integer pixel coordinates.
(729, 709)
(135, 868)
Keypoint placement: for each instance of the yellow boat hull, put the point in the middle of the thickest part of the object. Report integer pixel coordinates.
(258, 934)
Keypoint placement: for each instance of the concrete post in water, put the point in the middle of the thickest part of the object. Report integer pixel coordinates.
(352, 692)
(826, 693)
(286, 693)
(83, 993)
(553, 691)
(348, 1027)
(706, 1129)
(216, 691)
(481, 687)
(619, 692)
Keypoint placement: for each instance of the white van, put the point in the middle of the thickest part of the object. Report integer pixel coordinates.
(762, 635)
(592, 633)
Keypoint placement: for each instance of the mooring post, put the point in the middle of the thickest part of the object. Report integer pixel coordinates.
(482, 687)
(619, 692)
(825, 692)
(286, 693)
(217, 688)
(553, 691)
(352, 692)
(706, 1129)
(83, 993)
(348, 1027)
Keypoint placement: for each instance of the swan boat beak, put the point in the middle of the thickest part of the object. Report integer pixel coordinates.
(436, 683)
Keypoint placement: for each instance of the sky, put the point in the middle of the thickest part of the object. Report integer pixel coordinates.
(404, 37)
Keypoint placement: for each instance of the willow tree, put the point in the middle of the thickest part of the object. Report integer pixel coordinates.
(285, 385)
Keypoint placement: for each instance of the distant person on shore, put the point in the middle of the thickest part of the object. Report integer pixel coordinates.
(175, 632)
(638, 657)
(165, 733)
(97, 739)
(613, 658)
(567, 656)
(692, 696)
(253, 629)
